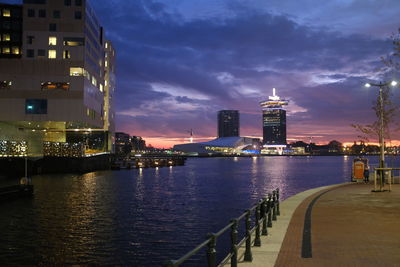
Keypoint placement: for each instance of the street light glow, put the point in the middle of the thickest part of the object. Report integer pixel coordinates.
(393, 83)
(367, 85)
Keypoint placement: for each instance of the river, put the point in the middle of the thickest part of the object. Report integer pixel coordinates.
(144, 217)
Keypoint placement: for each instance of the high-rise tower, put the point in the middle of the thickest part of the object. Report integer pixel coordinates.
(228, 123)
(274, 120)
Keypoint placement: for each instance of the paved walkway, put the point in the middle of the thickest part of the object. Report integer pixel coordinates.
(350, 226)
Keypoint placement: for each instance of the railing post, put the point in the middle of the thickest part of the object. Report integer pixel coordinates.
(211, 251)
(269, 207)
(247, 254)
(257, 240)
(274, 205)
(278, 212)
(234, 250)
(264, 216)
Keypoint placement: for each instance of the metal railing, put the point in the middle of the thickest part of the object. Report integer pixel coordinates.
(263, 213)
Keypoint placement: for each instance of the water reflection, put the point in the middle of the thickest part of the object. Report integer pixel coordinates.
(142, 217)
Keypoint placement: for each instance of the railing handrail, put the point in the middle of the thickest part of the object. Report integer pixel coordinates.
(266, 206)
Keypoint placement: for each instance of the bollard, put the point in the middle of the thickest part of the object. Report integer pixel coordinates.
(211, 252)
(257, 240)
(234, 251)
(247, 254)
(264, 216)
(269, 207)
(273, 205)
(278, 212)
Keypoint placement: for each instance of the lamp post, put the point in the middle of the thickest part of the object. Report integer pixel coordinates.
(381, 85)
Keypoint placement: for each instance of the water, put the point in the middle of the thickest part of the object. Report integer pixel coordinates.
(144, 217)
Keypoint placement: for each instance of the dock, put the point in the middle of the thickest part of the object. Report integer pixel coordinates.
(147, 162)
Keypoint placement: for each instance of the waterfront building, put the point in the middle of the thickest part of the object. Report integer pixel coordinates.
(138, 144)
(228, 123)
(233, 145)
(274, 121)
(57, 76)
(123, 144)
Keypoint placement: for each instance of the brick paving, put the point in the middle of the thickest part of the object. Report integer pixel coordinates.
(351, 226)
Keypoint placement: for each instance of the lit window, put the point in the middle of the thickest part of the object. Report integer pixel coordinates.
(6, 37)
(76, 71)
(106, 45)
(15, 50)
(48, 86)
(36, 106)
(106, 64)
(105, 83)
(66, 54)
(74, 41)
(52, 54)
(5, 50)
(94, 81)
(52, 40)
(5, 84)
(101, 88)
(6, 13)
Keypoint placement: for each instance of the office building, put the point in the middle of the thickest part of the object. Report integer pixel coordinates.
(274, 121)
(58, 76)
(228, 123)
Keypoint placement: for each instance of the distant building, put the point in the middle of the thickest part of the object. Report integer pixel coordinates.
(228, 123)
(123, 144)
(224, 145)
(57, 76)
(138, 144)
(274, 121)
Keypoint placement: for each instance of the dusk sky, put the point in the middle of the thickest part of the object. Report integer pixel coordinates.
(180, 61)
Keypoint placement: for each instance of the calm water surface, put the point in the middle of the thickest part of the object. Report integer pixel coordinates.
(144, 217)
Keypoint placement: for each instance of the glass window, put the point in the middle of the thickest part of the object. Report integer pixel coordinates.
(5, 50)
(5, 84)
(66, 54)
(52, 27)
(78, 2)
(30, 53)
(101, 88)
(6, 37)
(31, 12)
(106, 64)
(6, 25)
(41, 53)
(49, 86)
(6, 12)
(56, 14)
(76, 71)
(36, 106)
(67, 2)
(15, 50)
(74, 41)
(52, 54)
(52, 40)
(94, 81)
(78, 15)
(42, 13)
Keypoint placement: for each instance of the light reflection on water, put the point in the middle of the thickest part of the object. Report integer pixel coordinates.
(142, 217)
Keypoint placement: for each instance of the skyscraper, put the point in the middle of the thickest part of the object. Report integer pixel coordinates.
(228, 123)
(57, 75)
(274, 120)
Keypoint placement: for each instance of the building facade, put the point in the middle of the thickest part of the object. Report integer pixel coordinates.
(274, 120)
(61, 82)
(228, 123)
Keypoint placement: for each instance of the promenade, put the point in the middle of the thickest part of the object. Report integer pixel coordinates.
(345, 225)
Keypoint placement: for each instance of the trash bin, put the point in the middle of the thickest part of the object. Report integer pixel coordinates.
(359, 165)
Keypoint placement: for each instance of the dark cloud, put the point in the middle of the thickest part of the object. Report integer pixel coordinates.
(233, 62)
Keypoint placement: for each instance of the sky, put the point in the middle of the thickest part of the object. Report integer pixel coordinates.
(180, 61)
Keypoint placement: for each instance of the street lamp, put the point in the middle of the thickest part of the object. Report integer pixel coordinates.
(381, 85)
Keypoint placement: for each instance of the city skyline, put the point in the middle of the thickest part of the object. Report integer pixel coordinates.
(179, 62)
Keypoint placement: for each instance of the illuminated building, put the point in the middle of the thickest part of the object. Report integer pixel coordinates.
(274, 121)
(228, 123)
(59, 87)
